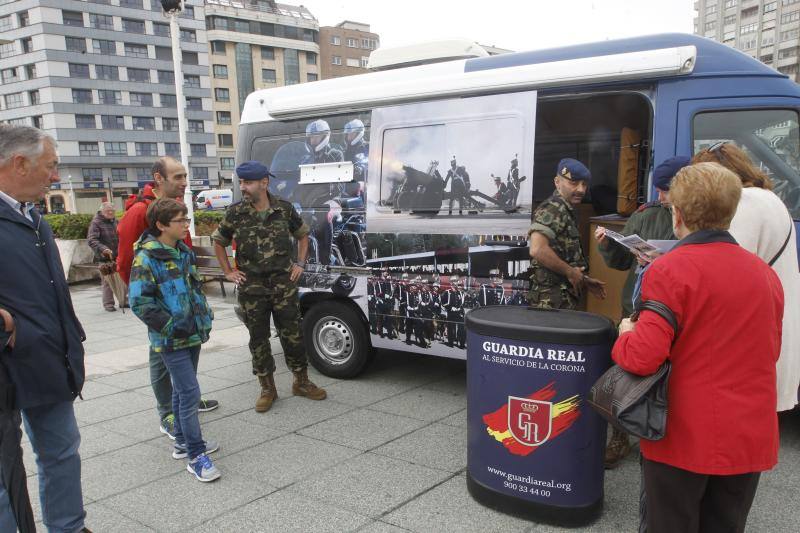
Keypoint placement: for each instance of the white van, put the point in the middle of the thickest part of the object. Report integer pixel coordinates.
(214, 199)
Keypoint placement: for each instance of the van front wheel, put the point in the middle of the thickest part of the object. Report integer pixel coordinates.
(336, 340)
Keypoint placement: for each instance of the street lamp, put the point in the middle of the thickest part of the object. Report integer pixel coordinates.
(71, 194)
(173, 9)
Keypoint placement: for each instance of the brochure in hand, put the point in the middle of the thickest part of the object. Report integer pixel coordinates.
(645, 250)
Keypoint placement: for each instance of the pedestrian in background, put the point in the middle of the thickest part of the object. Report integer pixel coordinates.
(103, 240)
(652, 220)
(763, 225)
(42, 350)
(722, 428)
(167, 295)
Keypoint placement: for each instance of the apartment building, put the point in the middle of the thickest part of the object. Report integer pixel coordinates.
(98, 76)
(345, 48)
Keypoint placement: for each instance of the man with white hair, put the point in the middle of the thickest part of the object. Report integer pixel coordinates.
(40, 336)
(103, 240)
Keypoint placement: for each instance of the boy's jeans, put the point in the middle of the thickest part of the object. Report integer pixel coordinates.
(162, 386)
(53, 432)
(182, 367)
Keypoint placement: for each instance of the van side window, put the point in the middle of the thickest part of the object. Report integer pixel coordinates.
(770, 138)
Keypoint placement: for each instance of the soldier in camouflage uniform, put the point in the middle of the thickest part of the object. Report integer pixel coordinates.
(557, 260)
(262, 225)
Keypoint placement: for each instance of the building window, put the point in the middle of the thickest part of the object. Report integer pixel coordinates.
(245, 84)
(791, 34)
(77, 70)
(268, 75)
(163, 53)
(37, 121)
(162, 30)
(218, 47)
(227, 163)
(14, 100)
(749, 44)
(291, 66)
(135, 50)
(188, 36)
(221, 71)
(222, 95)
(788, 2)
(310, 35)
(352, 43)
(23, 19)
(166, 77)
(731, 3)
(100, 22)
(196, 126)
(311, 58)
(70, 18)
(790, 17)
(223, 117)
(364, 61)
(169, 124)
(7, 50)
(139, 74)
(188, 12)
(748, 28)
(365, 44)
(7, 25)
(118, 148)
(119, 174)
(112, 122)
(711, 25)
(81, 96)
(225, 140)
(86, 122)
(267, 52)
(132, 3)
(336, 60)
(142, 99)
(147, 149)
(107, 72)
(352, 62)
(336, 40)
(30, 72)
(190, 80)
(144, 123)
(787, 52)
(769, 7)
(143, 173)
(89, 149)
(27, 45)
(107, 48)
(189, 58)
(194, 103)
(168, 100)
(8, 75)
(133, 26)
(108, 97)
(199, 173)
(750, 12)
(197, 150)
(92, 174)
(710, 10)
(34, 97)
(173, 149)
(76, 44)
(767, 40)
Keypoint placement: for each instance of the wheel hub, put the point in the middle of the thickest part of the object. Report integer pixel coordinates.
(333, 340)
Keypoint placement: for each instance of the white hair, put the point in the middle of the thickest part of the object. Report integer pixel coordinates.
(22, 140)
(106, 205)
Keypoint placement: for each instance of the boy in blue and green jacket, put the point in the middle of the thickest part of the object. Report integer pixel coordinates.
(165, 292)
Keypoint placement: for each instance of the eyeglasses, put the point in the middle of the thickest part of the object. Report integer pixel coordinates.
(181, 220)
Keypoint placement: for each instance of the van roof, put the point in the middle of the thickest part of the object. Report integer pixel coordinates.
(650, 57)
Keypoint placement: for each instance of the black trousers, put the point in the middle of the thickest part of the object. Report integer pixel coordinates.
(682, 501)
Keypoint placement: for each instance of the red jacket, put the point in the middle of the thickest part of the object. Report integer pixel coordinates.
(722, 395)
(130, 228)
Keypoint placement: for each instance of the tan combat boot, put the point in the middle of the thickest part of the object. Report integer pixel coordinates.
(268, 393)
(303, 386)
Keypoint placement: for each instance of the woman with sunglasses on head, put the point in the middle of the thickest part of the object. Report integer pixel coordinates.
(763, 226)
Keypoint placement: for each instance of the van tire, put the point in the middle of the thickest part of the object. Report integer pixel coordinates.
(336, 339)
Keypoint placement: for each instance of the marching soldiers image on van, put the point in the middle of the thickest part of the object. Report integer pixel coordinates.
(459, 186)
(384, 305)
(492, 293)
(262, 225)
(558, 263)
(453, 302)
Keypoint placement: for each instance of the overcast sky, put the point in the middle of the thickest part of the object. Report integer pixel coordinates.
(517, 25)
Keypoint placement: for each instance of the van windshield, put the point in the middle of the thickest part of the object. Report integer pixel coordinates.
(770, 139)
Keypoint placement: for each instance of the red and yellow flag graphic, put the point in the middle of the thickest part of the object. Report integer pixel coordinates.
(564, 414)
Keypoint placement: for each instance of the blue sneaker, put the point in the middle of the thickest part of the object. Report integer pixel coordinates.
(179, 450)
(167, 426)
(203, 469)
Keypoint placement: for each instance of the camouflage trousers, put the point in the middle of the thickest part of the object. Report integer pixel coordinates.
(555, 297)
(282, 304)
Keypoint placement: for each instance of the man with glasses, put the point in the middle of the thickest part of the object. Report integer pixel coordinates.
(169, 181)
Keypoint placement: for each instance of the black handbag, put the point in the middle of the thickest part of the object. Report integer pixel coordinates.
(631, 403)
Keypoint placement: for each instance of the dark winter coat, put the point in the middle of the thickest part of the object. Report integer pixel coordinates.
(102, 236)
(46, 363)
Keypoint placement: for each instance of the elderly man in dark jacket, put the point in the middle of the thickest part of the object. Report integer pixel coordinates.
(41, 343)
(103, 240)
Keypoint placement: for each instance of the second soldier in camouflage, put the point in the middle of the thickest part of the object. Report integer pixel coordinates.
(262, 226)
(557, 260)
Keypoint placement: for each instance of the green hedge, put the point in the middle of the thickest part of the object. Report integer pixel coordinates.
(76, 226)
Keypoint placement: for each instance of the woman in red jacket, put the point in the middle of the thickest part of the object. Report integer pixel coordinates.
(722, 429)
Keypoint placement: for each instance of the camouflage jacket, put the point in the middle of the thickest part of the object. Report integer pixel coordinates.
(556, 219)
(263, 241)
